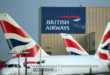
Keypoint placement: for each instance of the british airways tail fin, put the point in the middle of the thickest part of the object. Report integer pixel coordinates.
(104, 46)
(18, 40)
(72, 46)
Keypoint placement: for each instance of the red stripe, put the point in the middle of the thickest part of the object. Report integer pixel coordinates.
(107, 36)
(2, 65)
(69, 16)
(70, 43)
(9, 28)
(103, 56)
(32, 50)
(30, 62)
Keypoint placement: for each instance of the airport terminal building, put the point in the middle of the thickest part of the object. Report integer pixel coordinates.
(85, 24)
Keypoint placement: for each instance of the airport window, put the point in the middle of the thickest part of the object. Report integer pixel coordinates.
(58, 65)
(45, 65)
(66, 65)
(53, 66)
(36, 65)
(93, 43)
(12, 65)
(6, 65)
(75, 65)
(62, 65)
(18, 66)
(50, 65)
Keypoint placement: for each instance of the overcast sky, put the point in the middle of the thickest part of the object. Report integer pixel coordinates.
(26, 14)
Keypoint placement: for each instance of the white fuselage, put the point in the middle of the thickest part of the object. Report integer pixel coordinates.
(54, 65)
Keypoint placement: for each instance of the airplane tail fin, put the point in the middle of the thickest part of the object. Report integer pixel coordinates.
(18, 40)
(104, 46)
(72, 46)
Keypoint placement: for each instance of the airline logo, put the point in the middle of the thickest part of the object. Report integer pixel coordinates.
(63, 20)
(18, 40)
(75, 18)
(70, 43)
(105, 46)
(73, 48)
(106, 37)
(104, 55)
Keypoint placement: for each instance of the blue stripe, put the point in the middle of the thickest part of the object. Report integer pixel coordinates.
(107, 47)
(15, 43)
(73, 53)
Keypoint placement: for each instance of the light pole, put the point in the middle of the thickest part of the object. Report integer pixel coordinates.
(25, 54)
(90, 71)
(41, 69)
(14, 52)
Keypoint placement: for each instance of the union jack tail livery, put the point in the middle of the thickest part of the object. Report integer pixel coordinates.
(72, 46)
(104, 46)
(18, 40)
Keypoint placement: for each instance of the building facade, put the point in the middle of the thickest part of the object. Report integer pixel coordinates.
(96, 21)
